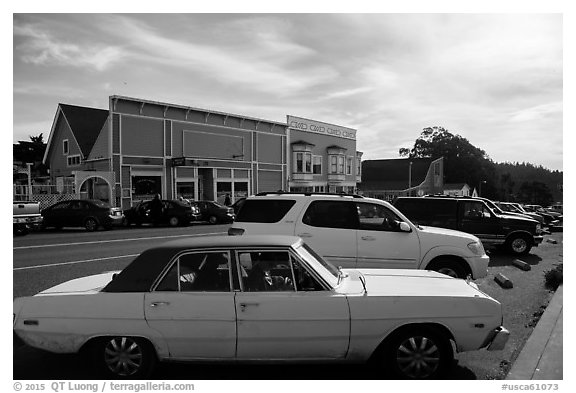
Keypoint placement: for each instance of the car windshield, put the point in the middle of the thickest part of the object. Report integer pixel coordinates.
(328, 271)
(217, 204)
(492, 206)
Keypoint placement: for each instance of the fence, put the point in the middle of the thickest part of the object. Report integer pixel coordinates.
(47, 195)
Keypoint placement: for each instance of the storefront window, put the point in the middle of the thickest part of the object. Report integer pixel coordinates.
(146, 187)
(223, 188)
(186, 190)
(240, 190)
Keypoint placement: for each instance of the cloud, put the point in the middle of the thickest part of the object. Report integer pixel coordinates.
(250, 64)
(537, 112)
(41, 48)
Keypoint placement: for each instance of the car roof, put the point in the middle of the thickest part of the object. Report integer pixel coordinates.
(232, 241)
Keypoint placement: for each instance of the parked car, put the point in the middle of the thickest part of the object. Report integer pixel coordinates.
(353, 231)
(88, 213)
(474, 215)
(260, 299)
(550, 218)
(511, 208)
(214, 212)
(237, 205)
(26, 216)
(174, 213)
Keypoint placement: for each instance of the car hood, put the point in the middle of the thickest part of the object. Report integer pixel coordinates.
(409, 283)
(435, 231)
(88, 285)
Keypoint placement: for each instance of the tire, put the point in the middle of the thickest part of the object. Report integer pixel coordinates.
(518, 245)
(213, 220)
(174, 221)
(91, 224)
(450, 268)
(418, 353)
(124, 357)
(20, 230)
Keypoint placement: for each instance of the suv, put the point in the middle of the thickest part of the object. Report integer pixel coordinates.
(353, 231)
(476, 216)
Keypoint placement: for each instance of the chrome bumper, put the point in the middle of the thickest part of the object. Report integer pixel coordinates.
(499, 340)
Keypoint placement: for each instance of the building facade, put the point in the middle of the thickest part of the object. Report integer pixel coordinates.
(138, 148)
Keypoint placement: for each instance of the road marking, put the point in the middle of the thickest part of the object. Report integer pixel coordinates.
(116, 240)
(74, 262)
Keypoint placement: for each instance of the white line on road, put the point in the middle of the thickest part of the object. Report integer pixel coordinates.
(74, 262)
(115, 240)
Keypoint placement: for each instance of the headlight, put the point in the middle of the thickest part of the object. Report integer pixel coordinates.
(476, 248)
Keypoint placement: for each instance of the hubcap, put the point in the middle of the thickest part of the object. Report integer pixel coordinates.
(174, 221)
(123, 356)
(90, 225)
(519, 245)
(418, 357)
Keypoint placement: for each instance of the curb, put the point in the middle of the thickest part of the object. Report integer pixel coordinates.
(541, 357)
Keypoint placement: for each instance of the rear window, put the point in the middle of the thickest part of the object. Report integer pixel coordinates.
(264, 211)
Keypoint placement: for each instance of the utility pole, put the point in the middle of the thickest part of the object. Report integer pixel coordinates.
(29, 170)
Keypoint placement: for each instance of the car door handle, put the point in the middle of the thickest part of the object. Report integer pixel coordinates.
(305, 234)
(156, 304)
(244, 305)
(369, 238)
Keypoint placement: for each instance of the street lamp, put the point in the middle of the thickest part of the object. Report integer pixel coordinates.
(410, 179)
(480, 189)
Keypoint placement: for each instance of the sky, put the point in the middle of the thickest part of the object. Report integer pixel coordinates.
(494, 78)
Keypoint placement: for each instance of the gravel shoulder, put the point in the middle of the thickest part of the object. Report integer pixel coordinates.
(523, 305)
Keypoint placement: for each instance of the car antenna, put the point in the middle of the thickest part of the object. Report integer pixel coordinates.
(363, 281)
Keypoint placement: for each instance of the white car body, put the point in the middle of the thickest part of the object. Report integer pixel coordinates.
(415, 247)
(346, 321)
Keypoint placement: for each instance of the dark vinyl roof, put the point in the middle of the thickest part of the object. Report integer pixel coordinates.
(393, 174)
(86, 124)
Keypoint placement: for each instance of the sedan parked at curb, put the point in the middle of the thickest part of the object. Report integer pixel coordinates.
(88, 213)
(260, 299)
(214, 212)
(174, 213)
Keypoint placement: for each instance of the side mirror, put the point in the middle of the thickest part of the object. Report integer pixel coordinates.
(404, 227)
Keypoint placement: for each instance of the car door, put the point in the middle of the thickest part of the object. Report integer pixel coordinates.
(329, 227)
(193, 307)
(477, 219)
(283, 314)
(56, 214)
(381, 243)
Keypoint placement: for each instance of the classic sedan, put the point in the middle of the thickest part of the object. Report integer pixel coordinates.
(267, 299)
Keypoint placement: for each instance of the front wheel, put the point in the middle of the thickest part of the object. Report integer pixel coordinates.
(91, 224)
(174, 221)
(519, 245)
(419, 353)
(124, 357)
(213, 220)
(449, 268)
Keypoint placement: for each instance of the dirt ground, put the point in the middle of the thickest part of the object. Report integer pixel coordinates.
(523, 305)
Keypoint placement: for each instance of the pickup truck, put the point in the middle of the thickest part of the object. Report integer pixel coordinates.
(26, 215)
(475, 216)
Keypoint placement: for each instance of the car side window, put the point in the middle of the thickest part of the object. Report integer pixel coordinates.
(198, 272)
(305, 281)
(475, 211)
(266, 271)
(331, 214)
(373, 217)
(76, 205)
(61, 206)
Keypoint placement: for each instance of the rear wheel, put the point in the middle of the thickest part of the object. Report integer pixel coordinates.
(213, 220)
(124, 357)
(418, 353)
(174, 221)
(91, 224)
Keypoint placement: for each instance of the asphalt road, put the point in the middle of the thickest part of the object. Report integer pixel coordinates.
(42, 260)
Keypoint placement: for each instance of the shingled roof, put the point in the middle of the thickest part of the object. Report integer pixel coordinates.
(393, 174)
(86, 124)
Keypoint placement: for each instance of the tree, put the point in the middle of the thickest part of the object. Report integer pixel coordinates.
(535, 193)
(31, 151)
(463, 162)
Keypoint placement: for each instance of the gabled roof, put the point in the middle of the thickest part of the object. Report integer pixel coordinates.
(393, 174)
(85, 123)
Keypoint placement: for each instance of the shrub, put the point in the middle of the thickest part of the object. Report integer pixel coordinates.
(553, 278)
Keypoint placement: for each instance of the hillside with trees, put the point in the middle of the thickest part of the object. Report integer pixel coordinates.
(465, 163)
